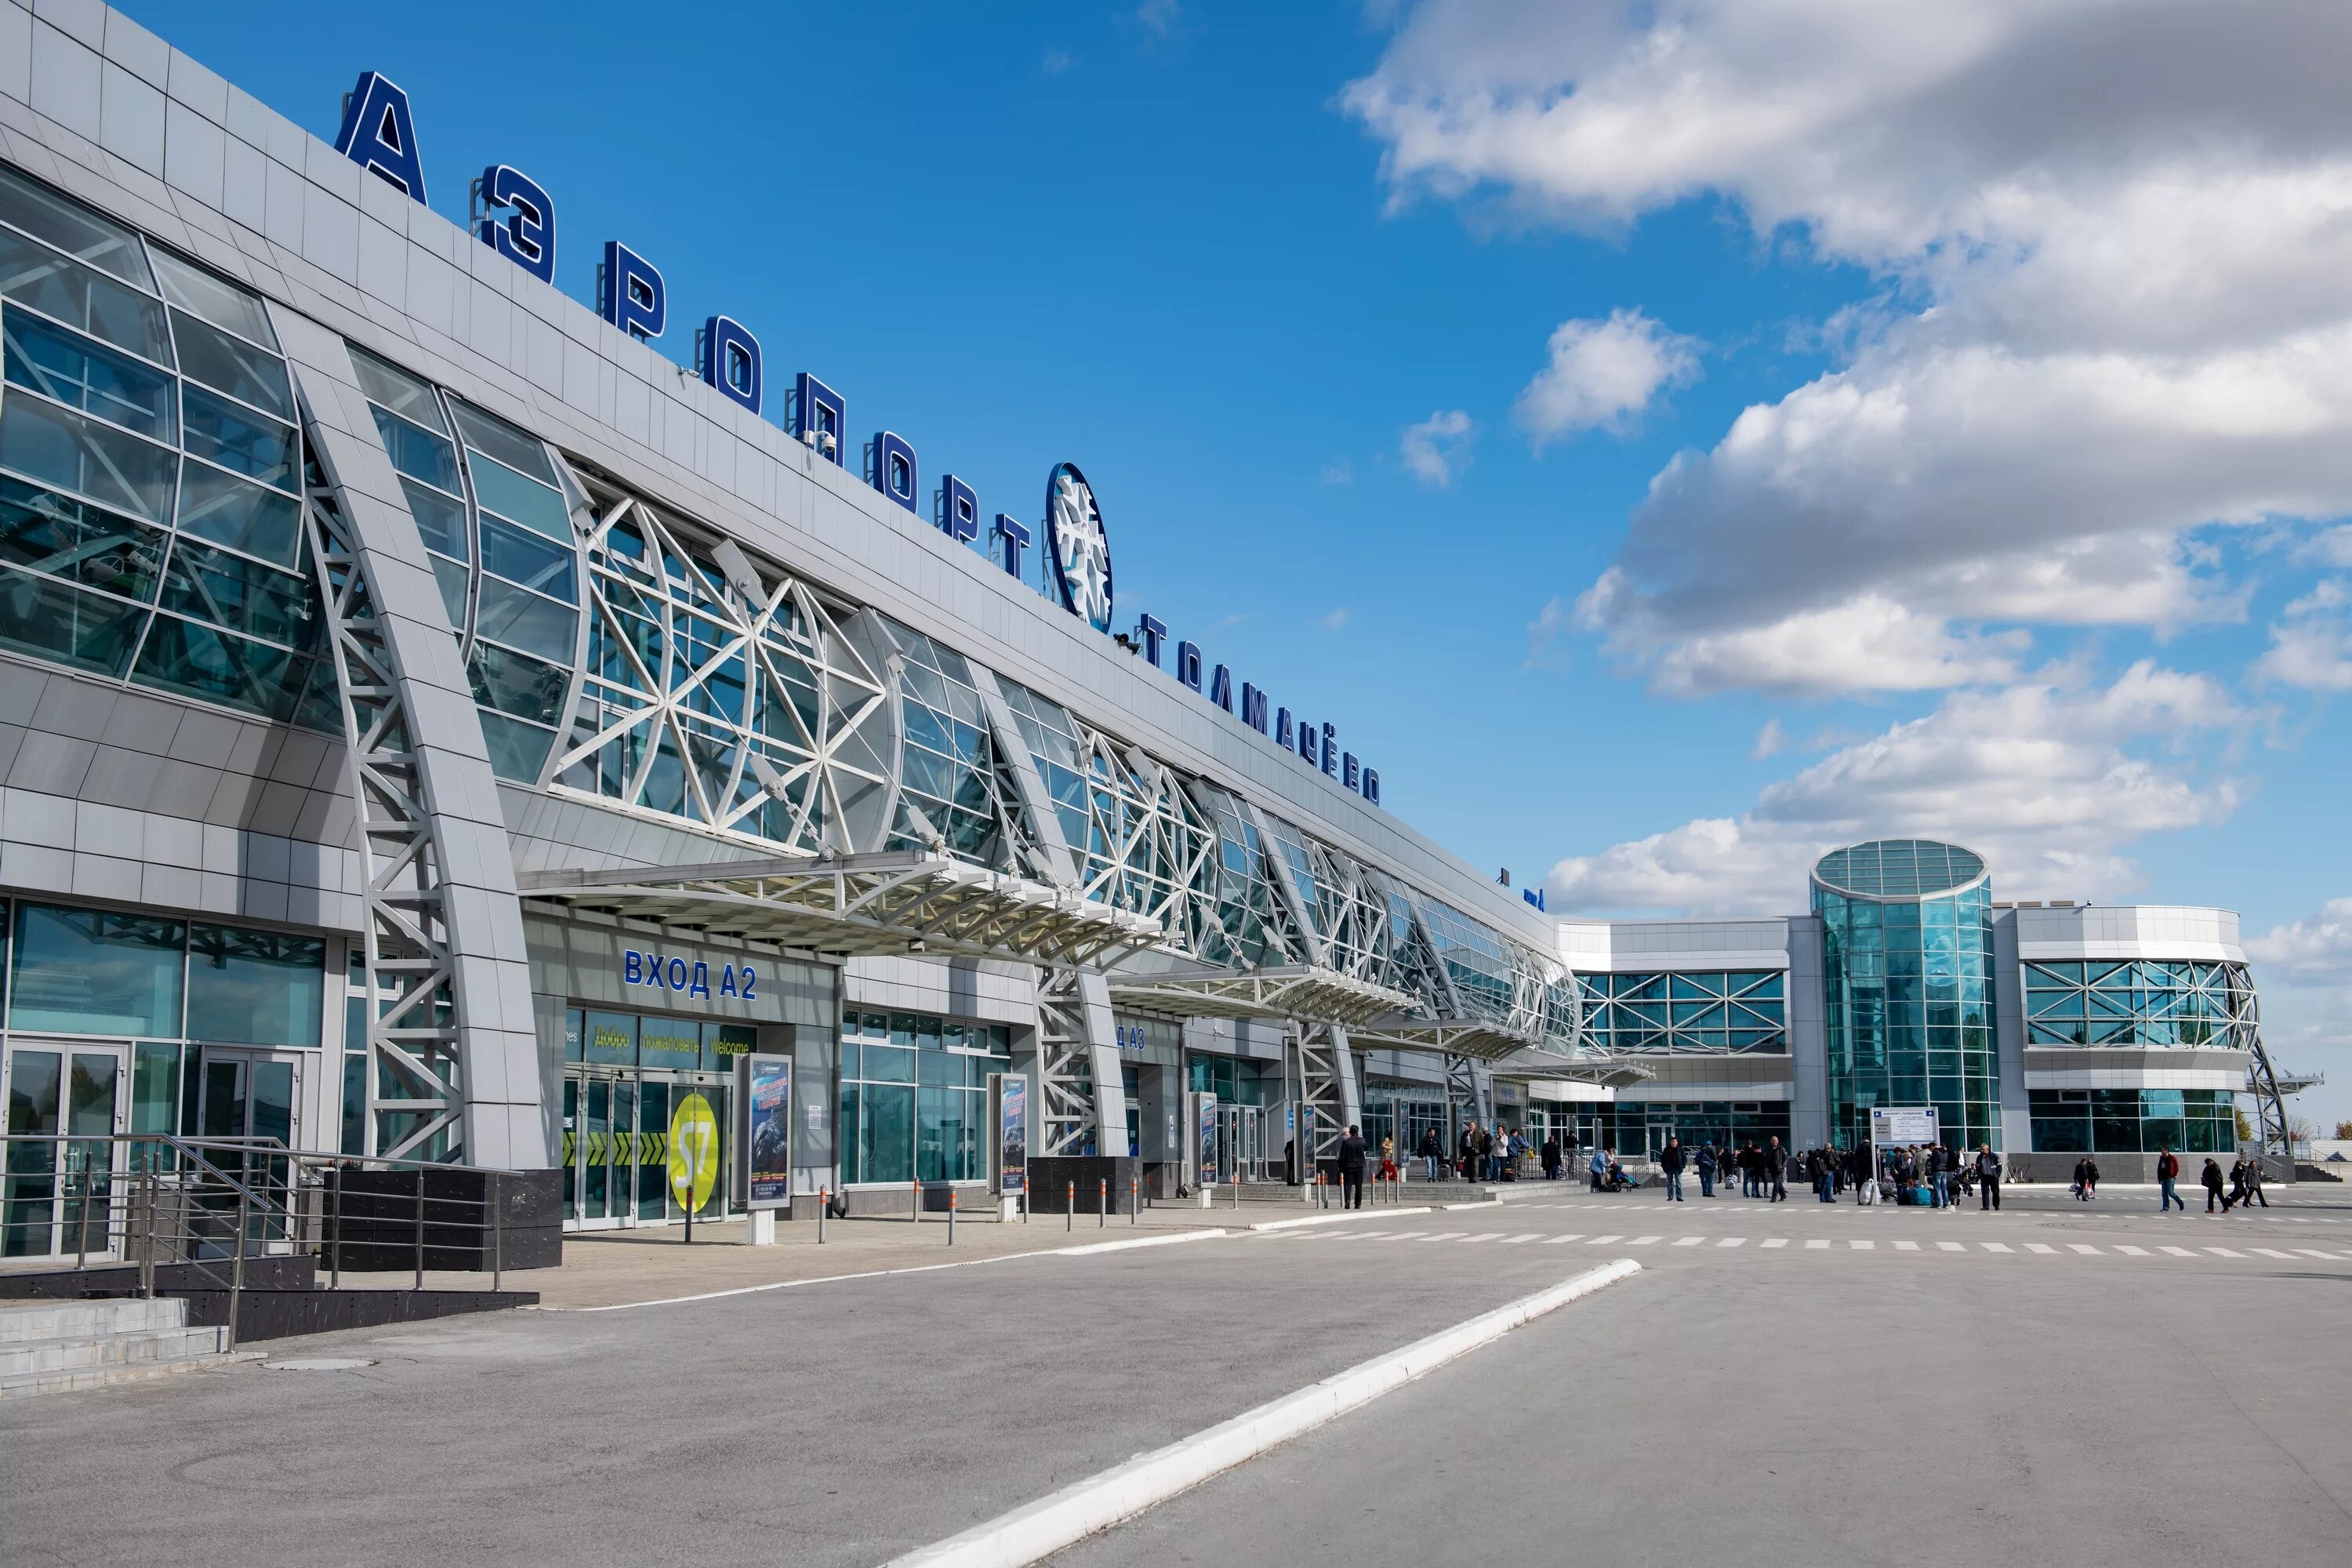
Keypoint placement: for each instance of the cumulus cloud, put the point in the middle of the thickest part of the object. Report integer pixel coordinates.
(2050, 777)
(2112, 319)
(1439, 447)
(2314, 950)
(1770, 741)
(2311, 643)
(1600, 374)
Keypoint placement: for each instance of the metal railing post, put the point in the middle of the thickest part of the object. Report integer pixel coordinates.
(81, 1213)
(236, 1270)
(420, 1230)
(335, 1222)
(497, 1233)
(147, 1237)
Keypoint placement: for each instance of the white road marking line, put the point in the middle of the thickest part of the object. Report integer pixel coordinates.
(2131, 1251)
(1690, 1241)
(1644, 1240)
(2273, 1252)
(2223, 1252)
(1911, 1245)
(2037, 1246)
(1949, 1246)
(1603, 1240)
(1994, 1246)
(1733, 1241)
(1812, 1246)
(2315, 1252)
(1860, 1244)
(2085, 1248)
(1039, 1529)
(1515, 1240)
(1560, 1240)
(2178, 1251)
(1442, 1236)
(1775, 1241)
(1483, 1236)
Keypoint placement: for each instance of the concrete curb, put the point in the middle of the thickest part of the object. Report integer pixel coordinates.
(1042, 1528)
(1334, 1218)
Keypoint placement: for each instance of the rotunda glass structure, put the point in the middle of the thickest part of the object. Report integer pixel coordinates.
(1907, 969)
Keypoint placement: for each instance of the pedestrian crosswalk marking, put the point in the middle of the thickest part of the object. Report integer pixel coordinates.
(1690, 1241)
(1513, 1240)
(2180, 1252)
(1603, 1240)
(2223, 1252)
(1911, 1245)
(1812, 1245)
(1994, 1245)
(2081, 1247)
(1949, 1246)
(1644, 1240)
(1860, 1244)
(2273, 1252)
(2131, 1251)
(1557, 1240)
(1776, 1241)
(2037, 1246)
(1733, 1241)
(1483, 1236)
(2315, 1252)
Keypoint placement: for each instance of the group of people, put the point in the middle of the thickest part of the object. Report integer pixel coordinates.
(2244, 1189)
(1924, 1174)
(1483, 1154)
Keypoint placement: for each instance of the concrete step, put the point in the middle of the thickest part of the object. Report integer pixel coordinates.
(36, 1320)
(82, 1352)
(23, 1385)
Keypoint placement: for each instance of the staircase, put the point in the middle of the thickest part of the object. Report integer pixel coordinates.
(53, 1347)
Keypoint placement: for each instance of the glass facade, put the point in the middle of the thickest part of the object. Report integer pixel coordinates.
(151, 470)
(1640, 1128)
(1699, 1012)
(625, 1074)
(2141, 1002)
(914, 1095)
(1907, 977)
(2133, 1120)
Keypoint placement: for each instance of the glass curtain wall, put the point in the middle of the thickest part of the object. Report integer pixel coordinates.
(2140, 1004)
(1689, 1013)
(1908, 951)
(914, 1095)
(2133, 1120)
(151, 470)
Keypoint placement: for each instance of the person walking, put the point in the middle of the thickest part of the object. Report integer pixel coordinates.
(1671, 1163)
(1551, 1158)
(2082, 1179)
(1466, 1160)
(2090, 1178)
(1941, 1175)
(2212, 1180)
(1776, 1165)
(1600, 1165)
(2253, 1184)
(2168, 1173)
(1351, 1169)
(1748, 1170)
(1707, 1169)
(1432, 1153)
(1988, 1178)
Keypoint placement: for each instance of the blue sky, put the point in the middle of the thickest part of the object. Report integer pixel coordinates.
(1880, 482)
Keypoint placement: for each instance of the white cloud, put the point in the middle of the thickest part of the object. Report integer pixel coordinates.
(1438, 448)
(1545, 637)
(2051, 778)
(1770, 741)
(1160, 18)
(2314, 950)
(1600, 374)
(1336, 619)
(2112, 237)
(2311, 643)
(1338, 471)
(1056, 61)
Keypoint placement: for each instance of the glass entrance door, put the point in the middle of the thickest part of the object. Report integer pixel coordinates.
(250, 1097)
(600, 1147)
(55, 1199)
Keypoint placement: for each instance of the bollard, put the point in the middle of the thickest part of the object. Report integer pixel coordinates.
(1102, 1203)
(915, 1214)
(1134, 1200)
(1070, 1208)
(824, 1201)
(951, 1214)
(420, 1231)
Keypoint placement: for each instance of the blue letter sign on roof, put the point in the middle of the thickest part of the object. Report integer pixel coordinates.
(378, 135)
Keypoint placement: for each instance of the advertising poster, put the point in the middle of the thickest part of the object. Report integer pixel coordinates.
(1012, 1133)
(767, 1094)
(1209, 1169)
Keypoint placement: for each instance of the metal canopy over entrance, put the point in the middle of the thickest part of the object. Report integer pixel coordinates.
(1286, 991)
(1605, 1072)
(1446, 1036)
(856, 905)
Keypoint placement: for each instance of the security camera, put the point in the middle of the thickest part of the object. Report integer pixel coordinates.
(826, 444)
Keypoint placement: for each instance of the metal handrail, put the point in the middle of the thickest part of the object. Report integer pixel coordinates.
(271, 1186)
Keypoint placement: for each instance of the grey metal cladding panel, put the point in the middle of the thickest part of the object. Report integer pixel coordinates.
(779, 498)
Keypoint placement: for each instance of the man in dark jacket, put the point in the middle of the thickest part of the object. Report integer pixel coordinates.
(1551, 1158)
(2168, 1173)
(1988, 1177)
(1432, 1153)
(1351, 1169)
(1671, 1163)
(1776, 1166)
(1706, 1162)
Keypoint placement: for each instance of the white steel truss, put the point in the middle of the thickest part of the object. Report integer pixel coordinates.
(1324, 1070)
(413, 1015)
(1067, 1110)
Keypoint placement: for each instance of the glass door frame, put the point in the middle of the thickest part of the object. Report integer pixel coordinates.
(67, 1236)
(580, 1078)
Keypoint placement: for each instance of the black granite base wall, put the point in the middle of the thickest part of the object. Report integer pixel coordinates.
(1050, 1176)
(371, 1219)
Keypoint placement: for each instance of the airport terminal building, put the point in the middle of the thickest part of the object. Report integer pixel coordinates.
(435, 724)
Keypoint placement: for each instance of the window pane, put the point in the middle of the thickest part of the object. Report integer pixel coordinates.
(225, 364)
(613, 1038)
(502, 490)
(181, 656)
(518, 751)
(112, 467)
(217, 300)
(51, 620)
(86, 374)
(241, 515)
(493, 437)
(255, 987)
(886, 1064)
(416, 451)
(409, 396)
(513, 684)
(237, 439)
(889, 1116)
(668, 1043)
(243, 595)
(37, 276)
(439, 519)
(88, 972)
(72, 227)
(455, 580)
(156, 1089)
(528, 559)
(67, 538)
(525, 621)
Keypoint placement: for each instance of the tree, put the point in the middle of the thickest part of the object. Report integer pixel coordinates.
(2343, 1130)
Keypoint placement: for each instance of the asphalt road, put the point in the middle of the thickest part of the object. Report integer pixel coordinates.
(1832, 1403)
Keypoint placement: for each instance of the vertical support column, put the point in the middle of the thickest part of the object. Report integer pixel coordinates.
(1327, 1083)
(453, 1050)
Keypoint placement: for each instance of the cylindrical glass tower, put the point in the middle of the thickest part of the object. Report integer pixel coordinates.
(1907, 966)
